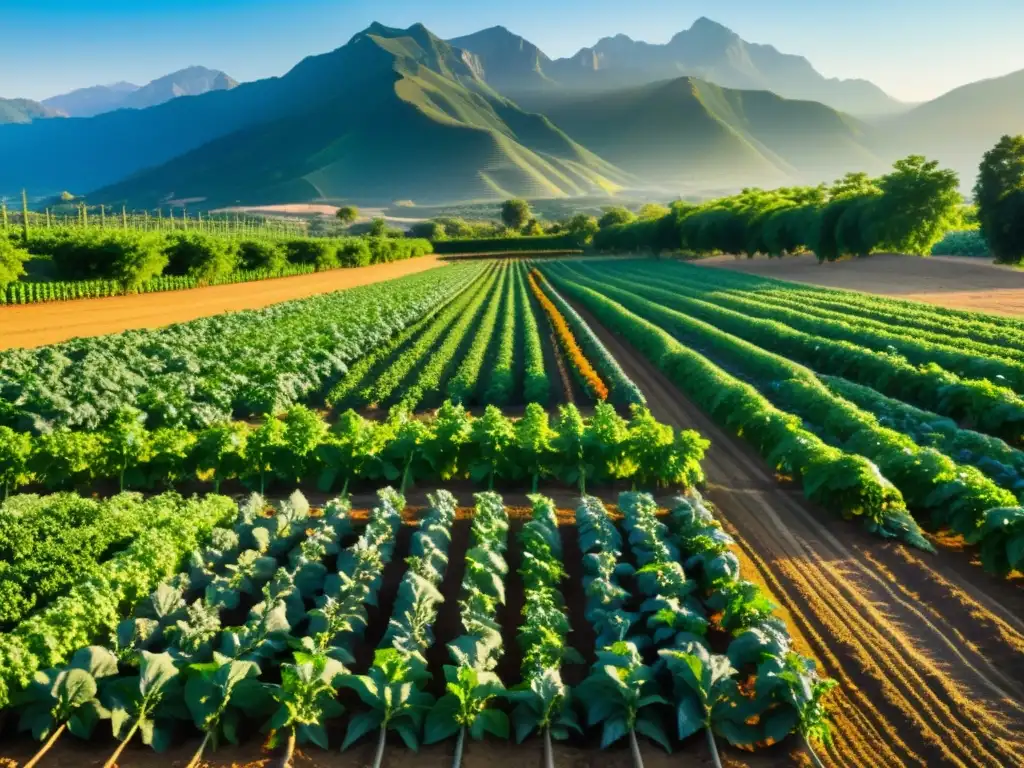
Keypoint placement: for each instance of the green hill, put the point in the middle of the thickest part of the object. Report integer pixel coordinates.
(960, 126)
(418, 123)
(689, 134)
(23, 111)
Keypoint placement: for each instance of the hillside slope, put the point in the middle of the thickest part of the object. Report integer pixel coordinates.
(960, 126)
(95, 100)
(689, 134)
(419, 123)
(23, 111)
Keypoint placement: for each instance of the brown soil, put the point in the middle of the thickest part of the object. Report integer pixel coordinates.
(34, 325)
(927, 648)
(948, 281)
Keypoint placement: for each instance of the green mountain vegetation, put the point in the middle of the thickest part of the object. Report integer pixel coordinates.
(419, 123)
(689, 134)
(23, 111)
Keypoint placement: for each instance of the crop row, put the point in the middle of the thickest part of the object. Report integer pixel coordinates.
(950, 347)
(204, 371)
(992, 408)
(581, 366)
(949, 494)
(997, 460)
(94, 603)
(623, 390)
(844, 482)
(964, 357)
(171, 657)
(381, 384)
(302, 446)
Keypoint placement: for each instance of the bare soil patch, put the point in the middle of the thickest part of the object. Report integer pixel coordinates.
(35, 325)
(947, 281)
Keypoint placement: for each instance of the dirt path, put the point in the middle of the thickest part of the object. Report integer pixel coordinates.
(34, 325)
(928, 650)
(948, 281)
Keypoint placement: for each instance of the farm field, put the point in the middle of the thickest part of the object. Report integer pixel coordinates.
(857, 505)
(35, 325)
(947, 281)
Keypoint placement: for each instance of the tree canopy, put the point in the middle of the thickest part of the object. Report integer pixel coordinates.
(347, 214)
(515, 213)
(999, 195)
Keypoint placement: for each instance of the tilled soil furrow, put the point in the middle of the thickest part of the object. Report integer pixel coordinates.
(915, 683)
(888, 658)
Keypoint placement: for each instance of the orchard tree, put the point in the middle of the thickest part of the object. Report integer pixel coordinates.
(347, 214)
(920, 203)
(999, 195)
(615, 216)
(583, 225)
(515, 213)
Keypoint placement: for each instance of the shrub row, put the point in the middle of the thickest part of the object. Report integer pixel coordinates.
(131, 259)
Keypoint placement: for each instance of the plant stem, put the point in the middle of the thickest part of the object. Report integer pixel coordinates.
(46, 747)
(194, 762)
(638, 760)
(810, 751)
(458, 748)
(344, 489)
(379, 759)
(549, 754)
(712, 747)
(120, 747)
(289, 751)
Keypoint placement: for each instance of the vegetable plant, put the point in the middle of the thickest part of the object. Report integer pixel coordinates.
(66, 698)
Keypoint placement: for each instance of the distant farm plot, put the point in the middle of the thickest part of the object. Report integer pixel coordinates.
(956, 283)
(37, 324)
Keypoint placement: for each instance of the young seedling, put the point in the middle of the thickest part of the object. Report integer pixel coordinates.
(471, 685)
(218, 694)
(65, 699)
(700, 681)
(148, 703)
(795, 680)
(622, 694)
(306, 698)
(392, 691)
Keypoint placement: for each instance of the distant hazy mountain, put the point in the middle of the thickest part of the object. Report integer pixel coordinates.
(88, 102)
(509, 61)
(960, 126)
(707, 50)
(405, 116)
(23, 111)
(686, 133)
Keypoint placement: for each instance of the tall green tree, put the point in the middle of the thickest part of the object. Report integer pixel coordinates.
(920, 202)
(515, 213)
(615, 216)
(347, 214)
(999, 195)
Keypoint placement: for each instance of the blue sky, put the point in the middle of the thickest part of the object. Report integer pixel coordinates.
(914, 49)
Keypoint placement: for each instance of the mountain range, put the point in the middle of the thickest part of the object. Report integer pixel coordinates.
(707, 51)
(97, 99)
(402, 114)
